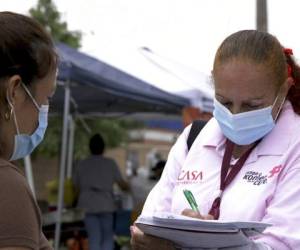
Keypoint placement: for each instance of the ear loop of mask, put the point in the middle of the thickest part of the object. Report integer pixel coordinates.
(12, 107)
(30, 95)
(280, 107)
(14, 115)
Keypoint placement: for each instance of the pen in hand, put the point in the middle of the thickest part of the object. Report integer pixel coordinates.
(191, 199)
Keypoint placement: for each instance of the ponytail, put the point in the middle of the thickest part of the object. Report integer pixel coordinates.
(294, 72)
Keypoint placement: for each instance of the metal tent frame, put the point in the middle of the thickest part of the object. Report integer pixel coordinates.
(97, 87)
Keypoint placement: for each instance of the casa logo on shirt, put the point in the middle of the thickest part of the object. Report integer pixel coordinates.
(189, 176)
(258, 178)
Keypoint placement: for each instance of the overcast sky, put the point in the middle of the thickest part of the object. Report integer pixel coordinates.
(184, 31)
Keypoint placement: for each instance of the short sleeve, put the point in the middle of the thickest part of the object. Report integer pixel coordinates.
(20, 218)
(117, 174)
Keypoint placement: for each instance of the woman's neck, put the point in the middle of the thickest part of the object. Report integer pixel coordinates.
(239, 150)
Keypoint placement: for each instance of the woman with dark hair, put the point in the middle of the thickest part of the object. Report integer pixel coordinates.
(94, 178)
(28, 68)
(245, 163)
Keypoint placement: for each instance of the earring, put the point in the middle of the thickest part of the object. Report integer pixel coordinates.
(8, 114)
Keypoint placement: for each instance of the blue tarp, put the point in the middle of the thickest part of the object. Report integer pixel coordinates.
(100, 87)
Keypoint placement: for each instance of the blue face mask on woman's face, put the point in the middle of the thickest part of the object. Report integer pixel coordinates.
(25, 144)
(247, 127)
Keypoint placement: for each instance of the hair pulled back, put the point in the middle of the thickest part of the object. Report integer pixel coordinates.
(264, 49)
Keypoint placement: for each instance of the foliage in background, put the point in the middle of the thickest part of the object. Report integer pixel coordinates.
(47, 14)
(50, 146)
(113, 131)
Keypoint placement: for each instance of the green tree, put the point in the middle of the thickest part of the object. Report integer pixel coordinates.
(47, 14)
(114, 131)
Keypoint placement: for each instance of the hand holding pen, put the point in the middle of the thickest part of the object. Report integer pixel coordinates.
(194, 212)
(191, 200)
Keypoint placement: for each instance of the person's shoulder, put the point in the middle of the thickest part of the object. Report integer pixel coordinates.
(109, 161)
(290, 124)
(82, 163)
(284, 139)
(14, 186)
(292, 128)
(96, 160)
(210, 134)
(207, 127)
(211, 126)
(20, 217)
(296, 120)
(11, 172)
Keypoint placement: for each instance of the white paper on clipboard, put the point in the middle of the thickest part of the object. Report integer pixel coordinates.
(188, 232)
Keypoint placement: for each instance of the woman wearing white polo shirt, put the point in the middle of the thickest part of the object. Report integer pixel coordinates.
(247, 158)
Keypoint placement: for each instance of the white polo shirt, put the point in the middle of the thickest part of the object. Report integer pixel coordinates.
(266, 189)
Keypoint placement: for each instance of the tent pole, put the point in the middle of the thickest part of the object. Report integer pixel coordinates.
(63, 157)
(28, 173)
(71, 147)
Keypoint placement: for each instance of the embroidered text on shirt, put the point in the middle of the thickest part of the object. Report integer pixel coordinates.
(256, 178)
(190, 176)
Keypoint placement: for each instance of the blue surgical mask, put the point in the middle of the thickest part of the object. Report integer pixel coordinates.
(24, 144)
(247, 127)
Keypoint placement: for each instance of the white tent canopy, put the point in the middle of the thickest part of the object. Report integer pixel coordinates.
(199, 87)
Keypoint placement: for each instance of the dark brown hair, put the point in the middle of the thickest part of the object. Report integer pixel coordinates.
(262, 48)
(26, 49)
(97, 144)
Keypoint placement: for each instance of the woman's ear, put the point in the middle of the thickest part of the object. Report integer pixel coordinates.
(14, 90)
(285, 87)
(289, 82)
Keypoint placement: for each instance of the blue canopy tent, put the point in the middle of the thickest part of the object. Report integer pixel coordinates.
(96, 88)
(100, 88)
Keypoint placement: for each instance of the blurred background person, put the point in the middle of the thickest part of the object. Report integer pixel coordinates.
(157, 170)
(94, 179)
(141, 184)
